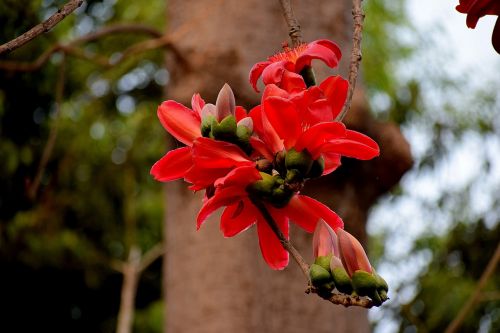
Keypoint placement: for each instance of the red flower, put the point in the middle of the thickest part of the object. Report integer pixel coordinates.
(475, 9)
(283, 68)
(283, 123)
(203, 160)
(240, 214)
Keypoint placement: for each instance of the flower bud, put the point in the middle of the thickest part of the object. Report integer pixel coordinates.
(341, 279)
(225, 104)
(264, 165)
(320, 277)
(352, 254)
(324, 261)
(280, 197)
(293, 176)
(365, 284)
(324, 241)
(317, 168)
(263, 188)
(301, 161)
(206, 125)
(382, 287)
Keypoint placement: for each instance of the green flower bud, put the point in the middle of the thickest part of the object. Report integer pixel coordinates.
(319, 276)
(225, 130)
(382, 287)
(324, 261)
(317, 168)
(365, 284)
(342, 280)
(301, 161)
(206, 125)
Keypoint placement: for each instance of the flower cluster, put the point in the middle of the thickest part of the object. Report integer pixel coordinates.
(475, 9)
(255, 163)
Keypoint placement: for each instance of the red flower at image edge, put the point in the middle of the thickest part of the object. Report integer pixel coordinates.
(240, 214)
(475, 9)
(283, 68)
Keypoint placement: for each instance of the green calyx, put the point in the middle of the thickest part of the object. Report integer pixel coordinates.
(301, 161)
(321, 278)
(206, 125)
(271, 189)
(225, 130)
(324, 261)
(382, 287)
(365, 284)
(317, 168)
(342, 280)
(307, 74)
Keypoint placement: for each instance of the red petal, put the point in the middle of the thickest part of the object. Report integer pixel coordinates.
(213, 154)
(173, 165)
(256, 72)
(237, 218)
(335, 89)
(354, 144)
(273, 73)
(306, 212)
(332, 162)
(284, 118)
(223, 197)
(324, 50)
(274, 90)
(183, 123)
(263, 149)
(324, 240)
(240, 177)
(273, 252)
(240, 113)
(316, 136)
(264, 129)
(197, 103)
(292, 82)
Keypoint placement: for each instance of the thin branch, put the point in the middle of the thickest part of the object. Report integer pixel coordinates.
(293, 25)
(149, 257)
(358, 17)
(17, 66)
(129, 291)
(285, 242)
(343, 299)
(467, 307)
(49, 146)
(43, 27)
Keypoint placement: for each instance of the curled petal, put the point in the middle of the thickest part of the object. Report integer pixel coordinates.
(265, 130)
(316, 136)
(332, 162)
(273, 73)
(292, 82)
(197, 103)
(173, 165)
(355, 145)
(307, 212)
(335, 89)
(273, 252)
(223, 197)
(260, 147)
(239, 177)
(256, 72)
(183, 123)
(324, 50)
(213, 154)
(237, 218)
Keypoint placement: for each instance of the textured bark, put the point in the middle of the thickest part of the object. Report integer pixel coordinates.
(213, 284)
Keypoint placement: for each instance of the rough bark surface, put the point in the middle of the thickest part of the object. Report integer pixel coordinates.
(217, 284)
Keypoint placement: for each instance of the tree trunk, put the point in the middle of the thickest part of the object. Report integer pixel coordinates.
(217, 284)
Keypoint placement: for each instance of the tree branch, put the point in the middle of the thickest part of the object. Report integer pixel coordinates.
(293, 25)
(343, 299)
(467, 307)
(358, 17)
(43, 27)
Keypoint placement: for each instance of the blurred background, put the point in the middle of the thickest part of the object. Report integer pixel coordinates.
(82, 221)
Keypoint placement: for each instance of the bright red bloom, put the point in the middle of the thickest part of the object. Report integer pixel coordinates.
(283, 122)
(475, 9)
(240, 214)
(283, 68)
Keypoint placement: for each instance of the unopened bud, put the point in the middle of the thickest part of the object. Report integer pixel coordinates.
(365, 284)
(263, 188)
(342, 280)
(324, 261)
(206, 125)
(280, 197)
(225, 130)
(320, 277)
(301, 161)
(225, 104)
(293, 176)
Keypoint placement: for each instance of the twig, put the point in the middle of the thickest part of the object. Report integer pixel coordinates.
(467, 307)
(129, 291)
(43, 27)
(149, 257)
(343, 299)
(49, 146)
(285, 242)
(358, 17)
(293, 25)
(17, 66)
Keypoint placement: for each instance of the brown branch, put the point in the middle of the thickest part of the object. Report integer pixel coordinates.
(51, 141)
(343, 299)
(43, 27)
(293, 25)
(358, 17)
(17, 66)
(149, 257)
(129, 291)
(467, 307)
(285, 242)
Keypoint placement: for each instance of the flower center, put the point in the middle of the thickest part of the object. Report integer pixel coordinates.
(288, 54)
